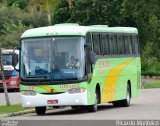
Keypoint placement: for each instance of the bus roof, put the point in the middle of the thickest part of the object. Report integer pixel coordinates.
(9, 51)
(74, 29)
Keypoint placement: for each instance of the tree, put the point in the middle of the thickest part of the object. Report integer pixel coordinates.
(36, 19)
(9, 13)
(12, 33)
(70, 3)
(150, 63)
(46, 5)
(20, 3)
(61, 12)
(89, 12)
(141, 14)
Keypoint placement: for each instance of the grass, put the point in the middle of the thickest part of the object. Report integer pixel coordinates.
(12, 108)
(153, 84)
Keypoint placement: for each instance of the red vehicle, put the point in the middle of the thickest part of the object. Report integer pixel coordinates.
(11, 75)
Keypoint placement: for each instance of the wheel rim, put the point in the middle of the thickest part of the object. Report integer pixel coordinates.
(96, 102)
(128, 96)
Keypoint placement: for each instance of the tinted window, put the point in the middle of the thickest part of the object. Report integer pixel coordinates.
(135, 43)
(121, 44)
(128, 40)
(130, 44)
(7, 59)
(106, 45)
(96, 44)
(113, 41)
(89, 40)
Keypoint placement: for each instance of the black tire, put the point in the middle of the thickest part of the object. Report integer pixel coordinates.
(56, 107)
(116, 103)
(93, 108)
(75, 107)
(40, 110)
(125, 102)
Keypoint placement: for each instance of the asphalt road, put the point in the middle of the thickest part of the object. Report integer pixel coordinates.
(146, 106)
(14, 98)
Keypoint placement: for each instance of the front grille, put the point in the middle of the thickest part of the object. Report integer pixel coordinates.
(49, 93)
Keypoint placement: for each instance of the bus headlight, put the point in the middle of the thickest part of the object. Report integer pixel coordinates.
(76, 90)
(28, 93)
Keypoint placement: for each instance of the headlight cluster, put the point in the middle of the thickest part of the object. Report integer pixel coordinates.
(28, 93)
(76, 90)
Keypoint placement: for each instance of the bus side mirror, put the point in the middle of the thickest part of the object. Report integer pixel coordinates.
(15, 60)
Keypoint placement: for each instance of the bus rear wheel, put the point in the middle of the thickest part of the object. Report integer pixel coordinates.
(125, 102)
(40, 110)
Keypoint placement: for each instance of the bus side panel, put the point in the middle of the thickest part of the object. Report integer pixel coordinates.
(119, 70)
(116, 72)
(128, 76)
(91, 90)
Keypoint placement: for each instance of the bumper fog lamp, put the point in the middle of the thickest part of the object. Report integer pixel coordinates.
(76, 90)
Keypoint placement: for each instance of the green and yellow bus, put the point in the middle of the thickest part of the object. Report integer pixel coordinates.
(79, 66)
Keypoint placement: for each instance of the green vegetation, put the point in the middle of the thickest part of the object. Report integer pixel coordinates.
(154, 84)
(19, 15)
(12, 108)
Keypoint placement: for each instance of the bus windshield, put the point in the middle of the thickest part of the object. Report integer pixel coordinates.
(56, 59)
(7, 59)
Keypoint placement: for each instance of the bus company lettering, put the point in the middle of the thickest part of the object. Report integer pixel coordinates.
(29, 88)
(68, 86)
(104, 64)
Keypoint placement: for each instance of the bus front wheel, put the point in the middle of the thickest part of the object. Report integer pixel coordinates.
(40, 110)
(76, 107)
(93, 108)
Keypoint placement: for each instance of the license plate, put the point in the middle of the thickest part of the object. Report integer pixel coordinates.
(52, 101)
(13, 82)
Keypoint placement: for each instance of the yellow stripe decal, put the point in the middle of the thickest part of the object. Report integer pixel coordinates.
(47, 88)
(111, 80)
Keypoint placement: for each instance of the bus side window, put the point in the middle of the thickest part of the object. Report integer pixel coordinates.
(96, 44)
(89, 40)
(128, 44)
(121, 44)
(133, 45)
(105, 44)
(113, 42)
(136, 44)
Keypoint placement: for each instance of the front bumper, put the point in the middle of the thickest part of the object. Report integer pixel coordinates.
(64, 99)
(11, 83)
